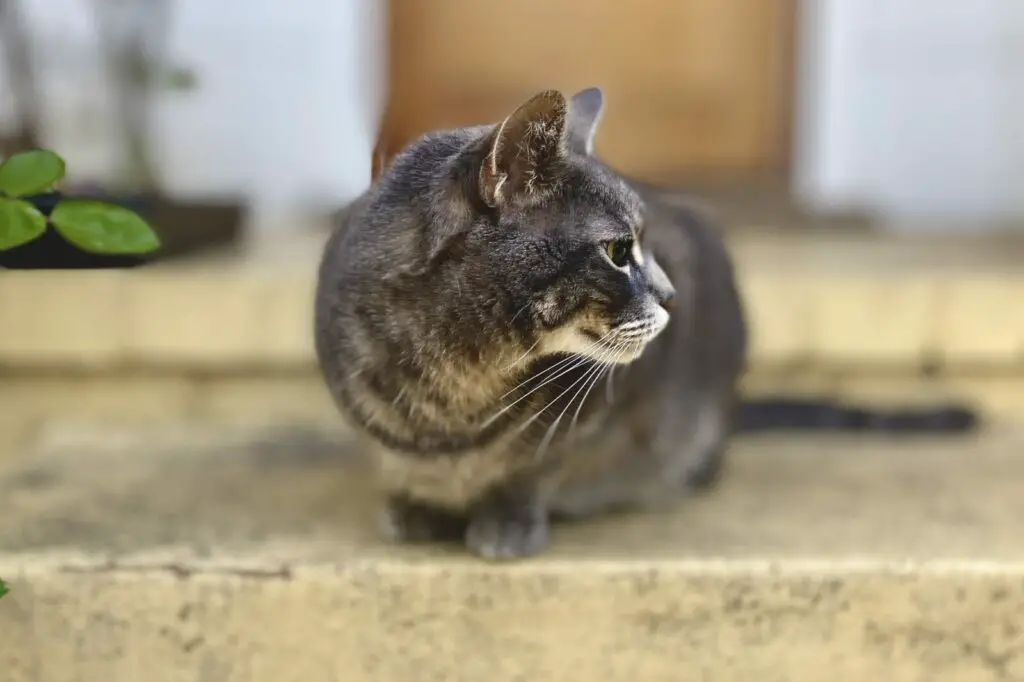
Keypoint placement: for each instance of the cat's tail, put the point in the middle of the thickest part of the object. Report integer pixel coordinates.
(781, 413)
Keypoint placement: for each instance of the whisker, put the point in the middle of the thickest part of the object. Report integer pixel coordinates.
(636, 335)
(578, 360)
(544, 408)
(557, 365)
(638, 347)
(519, 313)
(605, 366)
(575, 360)
(550, 403)
(550, 434)
(522, 357)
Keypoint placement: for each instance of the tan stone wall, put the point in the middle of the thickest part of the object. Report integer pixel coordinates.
(865, 317)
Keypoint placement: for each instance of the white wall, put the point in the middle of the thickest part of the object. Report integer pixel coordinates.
(913, 109)
(286, 110)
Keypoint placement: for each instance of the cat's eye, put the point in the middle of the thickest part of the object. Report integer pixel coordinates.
(618, 251)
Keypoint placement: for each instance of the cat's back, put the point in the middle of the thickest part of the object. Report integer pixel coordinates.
(686, 235)
(707, 337)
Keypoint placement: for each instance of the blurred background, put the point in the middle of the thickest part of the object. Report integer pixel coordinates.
(835, 108)
(867, 159)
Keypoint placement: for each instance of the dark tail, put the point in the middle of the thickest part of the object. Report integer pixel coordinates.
(759, 415)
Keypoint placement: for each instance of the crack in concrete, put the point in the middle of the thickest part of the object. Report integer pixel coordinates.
(182, 571)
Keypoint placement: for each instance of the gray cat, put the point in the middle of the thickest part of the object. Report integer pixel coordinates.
(519, 333)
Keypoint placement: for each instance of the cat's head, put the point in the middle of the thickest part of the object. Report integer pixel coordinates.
(563, 233)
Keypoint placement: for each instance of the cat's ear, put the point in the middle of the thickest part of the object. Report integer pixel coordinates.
(585, 110)
(525, 151)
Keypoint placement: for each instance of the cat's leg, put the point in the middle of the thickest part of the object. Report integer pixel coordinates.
(403, 519)
(511, 522)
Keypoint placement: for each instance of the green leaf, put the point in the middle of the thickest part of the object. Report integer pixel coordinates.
(20, 223)
(96, 227)
(31, 172)
(3, 588)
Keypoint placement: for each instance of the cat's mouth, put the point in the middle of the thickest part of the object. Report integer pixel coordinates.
(622, 343)
(626, 341)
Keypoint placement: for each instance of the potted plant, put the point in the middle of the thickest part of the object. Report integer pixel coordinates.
(133, 51)
(136, 60)
(41, 228)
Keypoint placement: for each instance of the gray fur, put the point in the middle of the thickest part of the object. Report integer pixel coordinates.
(475, 265)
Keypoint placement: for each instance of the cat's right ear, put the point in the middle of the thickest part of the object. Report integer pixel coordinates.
(585, 109)
(525, 151)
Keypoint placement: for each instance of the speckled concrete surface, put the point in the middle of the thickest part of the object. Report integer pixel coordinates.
(184, 554)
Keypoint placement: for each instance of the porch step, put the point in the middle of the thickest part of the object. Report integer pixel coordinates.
(189, 551)
(814, 298)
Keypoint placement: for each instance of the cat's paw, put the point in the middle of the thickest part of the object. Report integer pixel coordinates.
(498, 537)
(402, 521)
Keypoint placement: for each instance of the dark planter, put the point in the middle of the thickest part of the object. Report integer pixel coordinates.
(189, 228)
(183, 228)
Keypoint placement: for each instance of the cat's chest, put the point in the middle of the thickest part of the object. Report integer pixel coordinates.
(565, 410)
(451, 481)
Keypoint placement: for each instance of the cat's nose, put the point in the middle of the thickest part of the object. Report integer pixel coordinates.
(659, 283)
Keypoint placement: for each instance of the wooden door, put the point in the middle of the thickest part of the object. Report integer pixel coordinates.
(693, 87)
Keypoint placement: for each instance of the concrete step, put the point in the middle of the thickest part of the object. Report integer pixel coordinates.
(814, 297)
(193, 552)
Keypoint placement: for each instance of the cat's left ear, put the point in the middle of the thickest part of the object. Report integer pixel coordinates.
(585, 109)
(526, 151)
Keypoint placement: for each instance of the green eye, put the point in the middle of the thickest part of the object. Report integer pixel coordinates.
(618, 251)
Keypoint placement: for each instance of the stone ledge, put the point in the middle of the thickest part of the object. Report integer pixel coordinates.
(27, 401)
(823, 299)
(162, 317)
(620, 622)
(231, 554)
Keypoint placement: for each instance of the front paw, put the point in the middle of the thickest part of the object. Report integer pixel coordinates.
(402, 520)
(492, 535)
